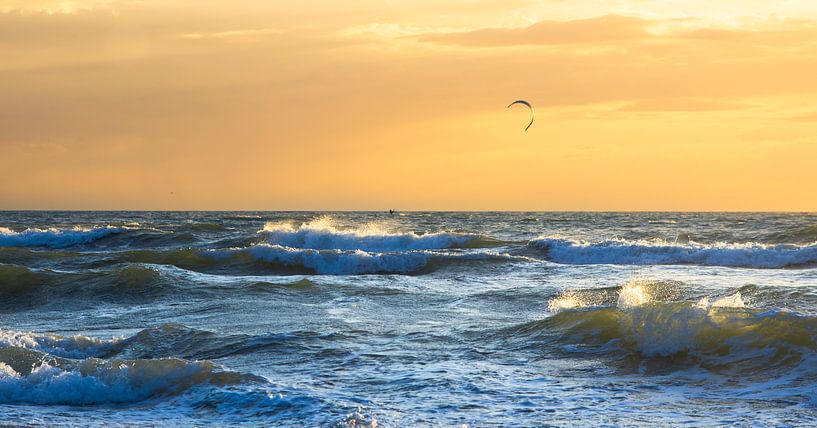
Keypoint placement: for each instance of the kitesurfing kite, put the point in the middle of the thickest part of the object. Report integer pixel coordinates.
(532, 113)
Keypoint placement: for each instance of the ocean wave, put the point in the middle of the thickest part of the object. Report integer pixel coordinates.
(175, 389)
(324, 234)
(165, 341)
(243, 217)
(642, 322)
(276, 259)
(148, 367)
(22, 287)
(802, 235)
(31, 256)
(616, 251)
(77, 347)
(358, 262)
(46, 369)
(55, 238)
(203, 227)
(720, 331)
(180, 341)
(633, 293)
(662, 221)
(140, 276)
(339, 262)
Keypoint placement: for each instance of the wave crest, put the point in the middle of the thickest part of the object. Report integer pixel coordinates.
(51, 369)
(47, 369)
(632, 294)
(55, 238)
(354, 262)
(708, 332)
(643, 323)
(95, 381)
(617, 251)
(324, 234)
(59, 346)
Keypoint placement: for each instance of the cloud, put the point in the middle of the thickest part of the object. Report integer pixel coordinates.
(629, 31)
(53, 7)
(811, 117)
(680, 105)
(593, 30)
(385, 30)
(252, 33)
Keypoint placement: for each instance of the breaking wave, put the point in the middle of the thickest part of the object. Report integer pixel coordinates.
(642, 323)
(50, 369)
(94, 381)
(77, 347)
(163, 342)
(324, 234)
(719, 336)
(55, 238)
(276, 259)
(45, 369)
(752, 255)
(356, 262)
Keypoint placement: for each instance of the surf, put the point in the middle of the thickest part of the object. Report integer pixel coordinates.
(658, 252)
(54, 237)
(324, 233)
(649, 325)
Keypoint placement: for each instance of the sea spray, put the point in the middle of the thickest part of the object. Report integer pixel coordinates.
(650, 323)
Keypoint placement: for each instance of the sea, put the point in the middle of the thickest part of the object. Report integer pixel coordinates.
(410, 319)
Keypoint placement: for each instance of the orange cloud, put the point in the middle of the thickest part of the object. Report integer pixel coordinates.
(811, 117)
(679, 105)
(602, 29)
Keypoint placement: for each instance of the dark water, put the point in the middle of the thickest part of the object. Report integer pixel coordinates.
(416, 319)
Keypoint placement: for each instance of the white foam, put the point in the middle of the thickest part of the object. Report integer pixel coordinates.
(633, 294)
(324, 234)
(54, 238)
(567, 300)
(95, 381)
(642, 252)
(66, 347)
(338, 262)
(732, 301)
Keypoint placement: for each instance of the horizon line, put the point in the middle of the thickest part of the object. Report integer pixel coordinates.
(417, 211)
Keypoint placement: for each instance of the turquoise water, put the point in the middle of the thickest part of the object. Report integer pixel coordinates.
(415, 319)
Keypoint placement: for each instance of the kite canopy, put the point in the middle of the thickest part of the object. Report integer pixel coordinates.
(532, 112)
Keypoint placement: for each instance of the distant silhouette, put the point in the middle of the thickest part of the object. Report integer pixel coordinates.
(391, 212)
(532, 113)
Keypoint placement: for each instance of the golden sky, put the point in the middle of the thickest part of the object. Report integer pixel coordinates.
(378, 104)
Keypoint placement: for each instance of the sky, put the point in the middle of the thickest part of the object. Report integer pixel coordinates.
(673, 105)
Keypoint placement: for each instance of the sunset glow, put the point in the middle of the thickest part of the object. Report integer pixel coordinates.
(665, 105)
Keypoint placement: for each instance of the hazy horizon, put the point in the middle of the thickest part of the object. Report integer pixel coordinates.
(386, 211)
